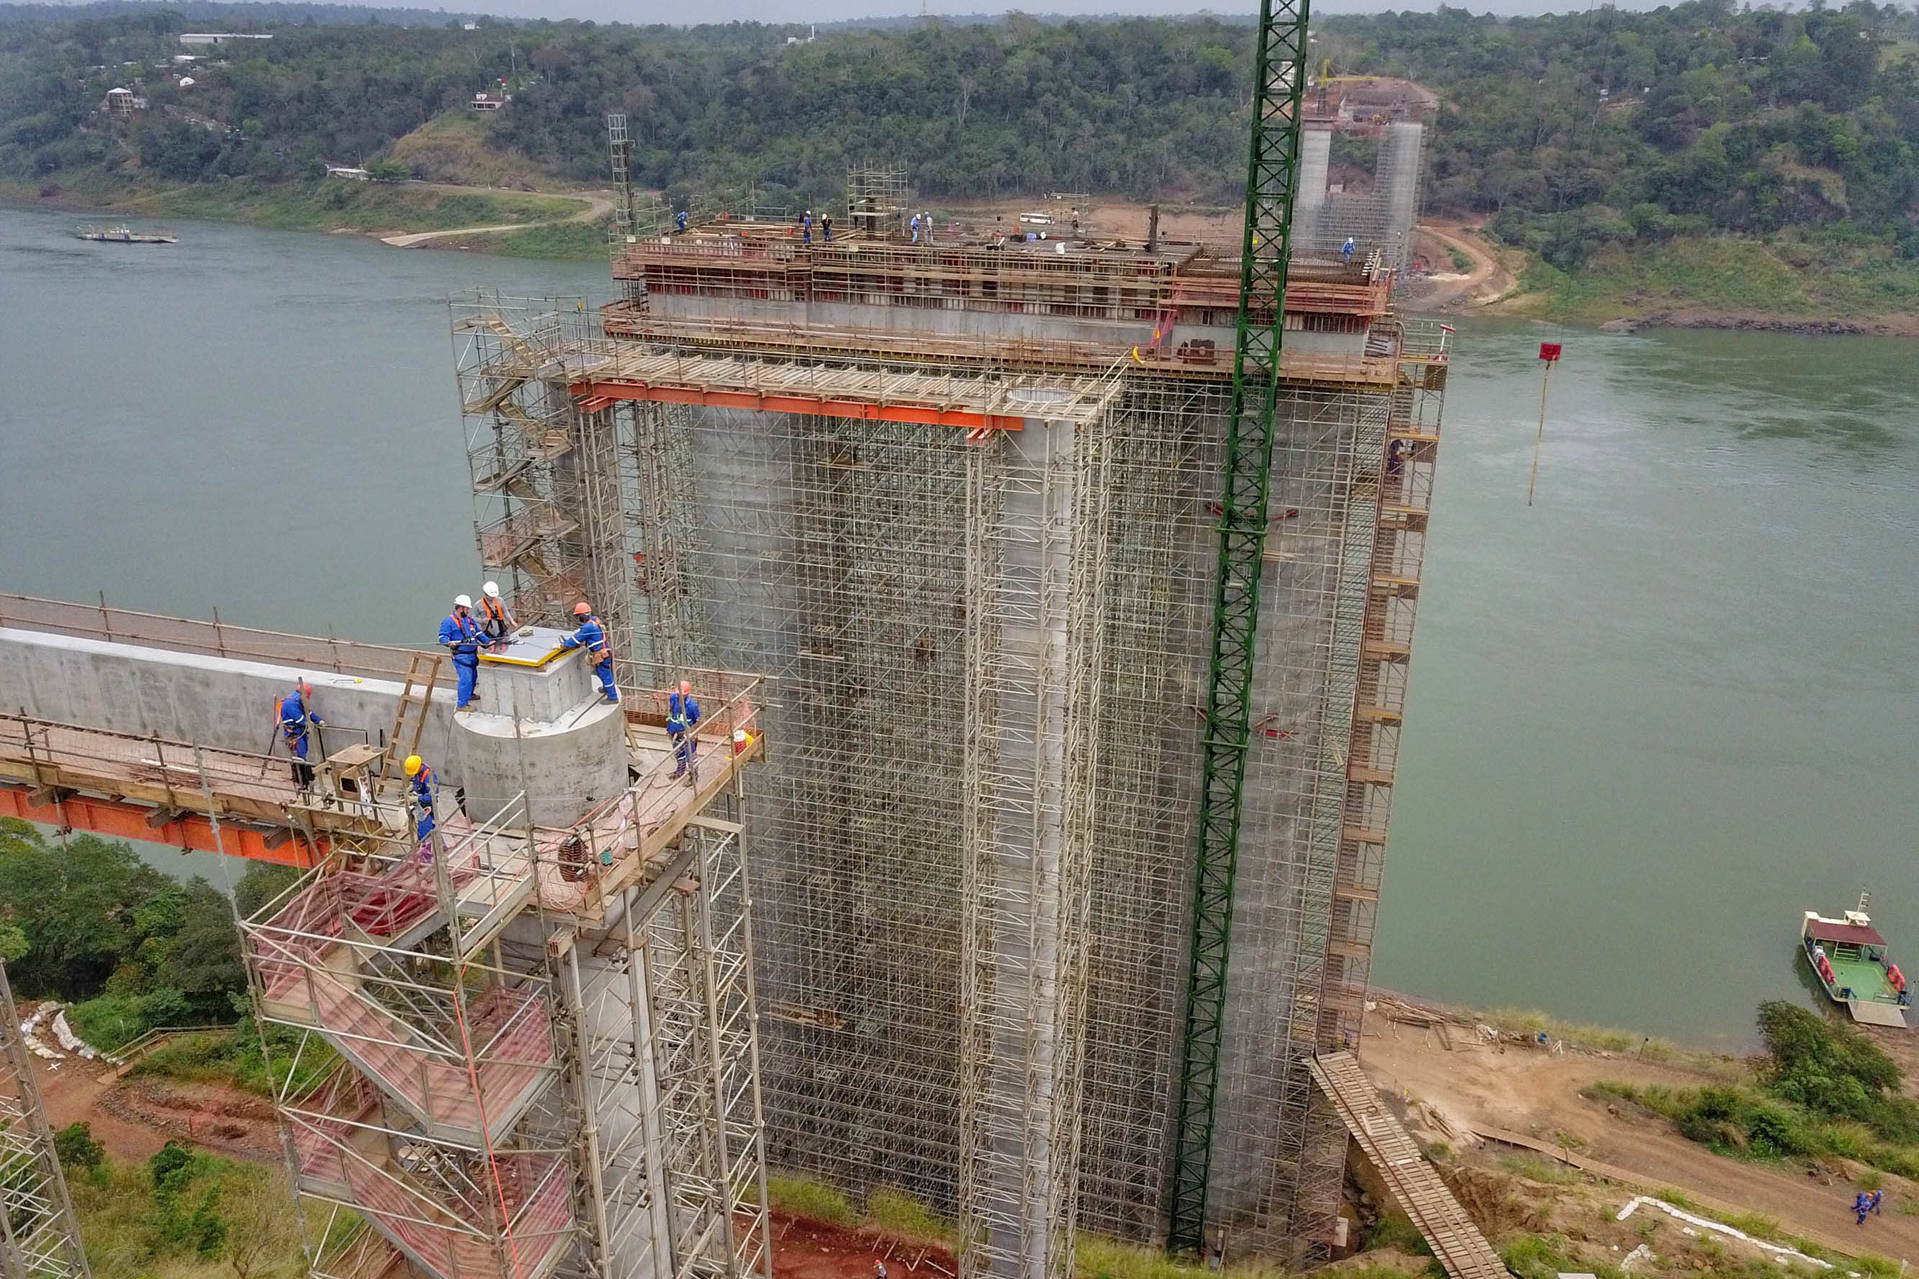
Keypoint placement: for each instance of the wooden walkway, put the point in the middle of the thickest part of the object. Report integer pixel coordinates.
(1413, 1182)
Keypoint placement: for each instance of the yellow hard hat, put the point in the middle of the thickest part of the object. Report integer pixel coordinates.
(413, 764)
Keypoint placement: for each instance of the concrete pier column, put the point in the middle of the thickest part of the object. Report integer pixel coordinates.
(542, 727)
(1315, 163)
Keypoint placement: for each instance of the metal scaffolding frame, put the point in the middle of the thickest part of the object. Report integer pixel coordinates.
(973, 849)
(39, 1236)
(522, 1052)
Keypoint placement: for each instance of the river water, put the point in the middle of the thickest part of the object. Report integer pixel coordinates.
(1654, 716)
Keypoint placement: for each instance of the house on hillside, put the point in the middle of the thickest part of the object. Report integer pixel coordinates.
(490, 101)
(351, 173)
(217, 38)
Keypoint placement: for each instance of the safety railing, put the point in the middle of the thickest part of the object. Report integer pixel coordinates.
(214, 639)
(149, 769)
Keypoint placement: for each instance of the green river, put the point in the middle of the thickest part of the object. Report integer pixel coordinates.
(1654, 716)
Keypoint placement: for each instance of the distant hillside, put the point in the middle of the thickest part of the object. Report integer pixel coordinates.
(240, 15)
(1596, 138)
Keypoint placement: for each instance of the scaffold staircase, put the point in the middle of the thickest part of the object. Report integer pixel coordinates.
(414, 1129)
(1412, 1181)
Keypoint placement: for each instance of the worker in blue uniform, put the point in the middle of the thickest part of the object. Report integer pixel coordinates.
(461, 635)
(294, 715)
(423, 788)
(1346, 250)
(682, 717)
(592, 637)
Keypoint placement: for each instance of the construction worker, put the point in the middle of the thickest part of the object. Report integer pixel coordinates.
(495, 622)
(682, 717)
(294, 715)
(826, 227)
(592, 637)
(806, 227)
(680, 218)
(916, 228)
(422, 788)
(461, 635)
(1346, 250)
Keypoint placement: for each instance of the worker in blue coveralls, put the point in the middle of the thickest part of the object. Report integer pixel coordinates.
(592, 637)
(461, 635)
(1346, 250)
(682, 717)
(294, 715)
(421, 787)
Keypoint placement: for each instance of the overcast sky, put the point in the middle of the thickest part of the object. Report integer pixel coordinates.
(646, 11)
(698, 11)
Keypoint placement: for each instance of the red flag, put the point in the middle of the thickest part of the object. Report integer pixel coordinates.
(1549, 351)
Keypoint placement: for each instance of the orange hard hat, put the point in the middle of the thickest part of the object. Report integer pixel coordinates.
(582, 609)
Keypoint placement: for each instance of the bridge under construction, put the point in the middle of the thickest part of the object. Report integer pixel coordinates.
(1079, 574)
(959, 494)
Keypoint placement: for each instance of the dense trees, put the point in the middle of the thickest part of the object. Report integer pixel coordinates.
(91, 923)
(1567, 132)
(1575, 130)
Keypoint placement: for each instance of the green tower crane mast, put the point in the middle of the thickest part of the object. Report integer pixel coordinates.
(1272, 177)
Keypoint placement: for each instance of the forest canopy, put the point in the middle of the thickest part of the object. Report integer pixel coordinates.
(1567, 132)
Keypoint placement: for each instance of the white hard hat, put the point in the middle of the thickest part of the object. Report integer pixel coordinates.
(462, 601)
(493, 589)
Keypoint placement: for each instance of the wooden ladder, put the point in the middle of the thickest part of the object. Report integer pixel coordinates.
(409, 717)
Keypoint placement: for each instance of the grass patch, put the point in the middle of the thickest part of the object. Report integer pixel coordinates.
(1097, 1258)
(1745, 1123)
(458, 146)
(904, 1217)
(804, 1197)
(360, 206)
(1539, 1170)
(1530, 1022)
(321, 204)
(200, 1217)
(1545, 1256)
(554, 242)
(1788, 277)
(234, 1057)
(1394, 1229)
(1756, 1224)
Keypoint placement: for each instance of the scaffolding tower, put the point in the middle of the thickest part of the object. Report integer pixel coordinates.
(39, 1236)
(877, 200)
(970, 525)
(521, 1052)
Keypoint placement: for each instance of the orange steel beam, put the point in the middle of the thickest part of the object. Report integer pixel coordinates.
(123, 820)
(605, 392)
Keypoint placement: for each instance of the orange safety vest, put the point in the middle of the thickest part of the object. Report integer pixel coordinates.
(495, 611)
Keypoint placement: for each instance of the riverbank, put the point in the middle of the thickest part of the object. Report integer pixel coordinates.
(1548, 1116)
(549, 225)
(1723, 282)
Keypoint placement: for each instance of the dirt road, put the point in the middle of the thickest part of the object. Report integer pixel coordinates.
(1486, 282)
(597, 205)
(1536, 1093)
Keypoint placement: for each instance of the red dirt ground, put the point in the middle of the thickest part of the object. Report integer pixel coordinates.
(808, 1249)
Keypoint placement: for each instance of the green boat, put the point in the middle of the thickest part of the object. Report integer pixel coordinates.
(1849, 959)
